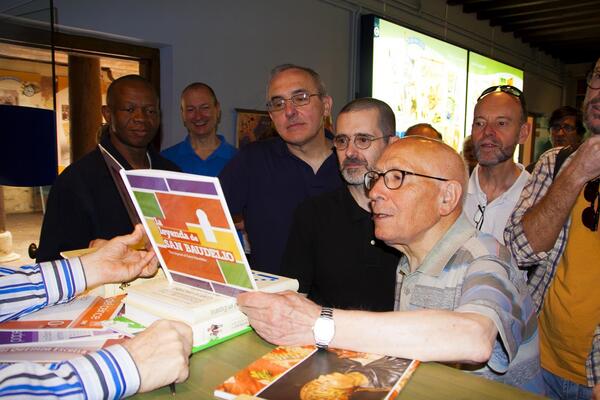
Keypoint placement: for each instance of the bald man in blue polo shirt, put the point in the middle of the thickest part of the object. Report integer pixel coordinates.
(203, 151)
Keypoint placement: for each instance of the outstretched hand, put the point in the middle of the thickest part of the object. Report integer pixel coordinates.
(116, 261)
(284, 318)
(161, 354)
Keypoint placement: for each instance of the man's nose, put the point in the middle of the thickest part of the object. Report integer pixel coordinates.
(289, 108)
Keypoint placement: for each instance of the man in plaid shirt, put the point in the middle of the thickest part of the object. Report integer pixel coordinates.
(554, 231)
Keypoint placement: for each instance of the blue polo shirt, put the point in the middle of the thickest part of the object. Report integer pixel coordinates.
(265, 183)
(186, 158)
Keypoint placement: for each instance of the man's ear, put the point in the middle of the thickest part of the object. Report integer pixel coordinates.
(524, 132)
(450, 197)
(106, 113)
(393, 139)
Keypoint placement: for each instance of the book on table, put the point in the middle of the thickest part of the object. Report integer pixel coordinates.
(204, 266)
(61, 331)
(304, 372)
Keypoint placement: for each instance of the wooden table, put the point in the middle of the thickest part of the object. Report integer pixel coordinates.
(431, 380)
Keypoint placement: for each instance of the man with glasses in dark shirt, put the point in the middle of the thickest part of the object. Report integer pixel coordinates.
(267, 180)
(555, 228)
(332, 249)
(499, 125)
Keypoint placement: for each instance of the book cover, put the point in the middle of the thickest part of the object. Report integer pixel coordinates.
(307, 373)
(84, 312)
(190, 227)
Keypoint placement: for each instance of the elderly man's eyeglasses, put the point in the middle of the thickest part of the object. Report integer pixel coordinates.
(564, 127)
(590, 215)
(392, 178)
(361, 141)
(479, 216)
(299, 100)
(593, 79)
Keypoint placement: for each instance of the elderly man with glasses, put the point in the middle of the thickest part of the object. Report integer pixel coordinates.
(332, 250)
(267, 180)
(554, 228)
(499, 125)
(459, 298)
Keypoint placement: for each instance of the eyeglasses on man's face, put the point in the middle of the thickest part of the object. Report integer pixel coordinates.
(393, 178)
(566, 128)
(590, 215)
(360, 140)
(593, 79)
(299, 100)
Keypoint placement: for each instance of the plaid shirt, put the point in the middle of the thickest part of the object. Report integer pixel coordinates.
(543, 264)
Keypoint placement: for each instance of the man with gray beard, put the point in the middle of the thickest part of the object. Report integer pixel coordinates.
(554, 231)
(499, 125)
(332, 250)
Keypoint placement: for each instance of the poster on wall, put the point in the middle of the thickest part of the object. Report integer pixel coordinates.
(252, 125)
(423, 79)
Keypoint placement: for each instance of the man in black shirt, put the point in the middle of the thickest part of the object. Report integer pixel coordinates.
(84, 203)
(332, 250)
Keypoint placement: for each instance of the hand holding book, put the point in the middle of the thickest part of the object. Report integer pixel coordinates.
(284, 318)
(116, 261)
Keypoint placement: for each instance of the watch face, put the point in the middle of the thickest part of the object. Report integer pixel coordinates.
(324, 330)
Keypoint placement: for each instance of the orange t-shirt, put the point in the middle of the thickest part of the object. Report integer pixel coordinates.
(571, 308)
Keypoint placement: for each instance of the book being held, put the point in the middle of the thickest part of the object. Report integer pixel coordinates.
(188, 224)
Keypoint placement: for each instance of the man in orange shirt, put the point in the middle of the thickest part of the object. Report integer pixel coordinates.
(555, 226)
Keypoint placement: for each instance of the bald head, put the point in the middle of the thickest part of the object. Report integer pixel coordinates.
(425, 130)
(431, 157)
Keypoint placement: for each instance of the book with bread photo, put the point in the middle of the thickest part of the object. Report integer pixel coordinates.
(307, 373)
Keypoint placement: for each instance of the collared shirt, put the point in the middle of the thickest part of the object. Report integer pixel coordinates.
(84, 203)
(492, 216)
(108, 373)
(469, 271)
(545, 263)
(185, 157)
(265, 183)
(333, 252)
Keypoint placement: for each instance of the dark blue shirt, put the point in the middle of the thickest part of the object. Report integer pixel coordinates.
(265, 183)
(186, 158)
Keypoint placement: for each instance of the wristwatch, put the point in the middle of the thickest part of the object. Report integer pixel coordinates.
(324, 328)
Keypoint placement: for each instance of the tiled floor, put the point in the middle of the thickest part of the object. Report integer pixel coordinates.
(25, 229)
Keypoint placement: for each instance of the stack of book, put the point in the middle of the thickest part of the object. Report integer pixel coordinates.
(61, 332)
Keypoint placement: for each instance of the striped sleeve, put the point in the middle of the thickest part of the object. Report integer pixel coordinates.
(32, 287)
(107, 374)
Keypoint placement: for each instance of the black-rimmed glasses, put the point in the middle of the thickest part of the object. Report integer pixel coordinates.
(299, 100)
(593, 79)
(509, 89)
(393, 178)
(564, 127)
(360, 140)
(590, 215)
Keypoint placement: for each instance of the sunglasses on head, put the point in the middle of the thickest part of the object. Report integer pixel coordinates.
(590, 215)
(508, 89)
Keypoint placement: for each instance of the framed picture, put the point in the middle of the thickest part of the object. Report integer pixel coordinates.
(252, 125)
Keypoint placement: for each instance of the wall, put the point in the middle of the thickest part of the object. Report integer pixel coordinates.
(232, 44)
